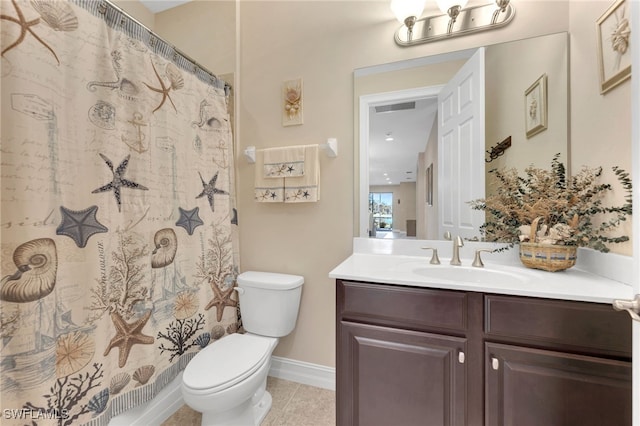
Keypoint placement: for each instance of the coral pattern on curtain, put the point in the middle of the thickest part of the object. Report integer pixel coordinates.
(119, 246)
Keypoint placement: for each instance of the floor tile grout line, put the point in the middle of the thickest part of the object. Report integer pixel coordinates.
(293, 394)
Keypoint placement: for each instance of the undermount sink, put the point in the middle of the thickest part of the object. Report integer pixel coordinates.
(471, 275)
(464, 274)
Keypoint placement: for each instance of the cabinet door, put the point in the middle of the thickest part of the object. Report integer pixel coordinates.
(389, 376)
(531, 387)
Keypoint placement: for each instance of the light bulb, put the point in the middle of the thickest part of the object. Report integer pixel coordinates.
(403, 9)
(445, 5)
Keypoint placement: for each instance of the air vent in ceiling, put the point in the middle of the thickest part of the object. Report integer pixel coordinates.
(396, 107)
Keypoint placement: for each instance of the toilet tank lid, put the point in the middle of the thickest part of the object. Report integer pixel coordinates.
(269, 280)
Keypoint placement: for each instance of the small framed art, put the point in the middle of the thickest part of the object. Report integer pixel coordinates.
(614, 53)
(535, 103)
(292, 102)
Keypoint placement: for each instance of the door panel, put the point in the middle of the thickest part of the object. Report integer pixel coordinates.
(531, 387)
(420, 375)
(461, 146)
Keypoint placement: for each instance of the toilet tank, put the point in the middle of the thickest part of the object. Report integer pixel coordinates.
(269, 302)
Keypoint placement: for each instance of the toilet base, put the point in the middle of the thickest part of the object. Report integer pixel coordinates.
(261, 409)
(251, 413)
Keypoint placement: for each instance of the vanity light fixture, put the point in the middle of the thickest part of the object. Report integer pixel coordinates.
(455, 21)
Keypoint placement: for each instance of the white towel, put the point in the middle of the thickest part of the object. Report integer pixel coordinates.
(266, 190)
(305, 189)
(284, 162)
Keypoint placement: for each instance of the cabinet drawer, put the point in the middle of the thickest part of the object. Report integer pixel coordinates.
(405, 307)
(589, 327)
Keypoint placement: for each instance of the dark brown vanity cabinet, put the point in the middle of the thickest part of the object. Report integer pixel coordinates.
(556, 363)
(419, 356)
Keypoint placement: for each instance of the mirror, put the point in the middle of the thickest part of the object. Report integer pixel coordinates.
(397, 128)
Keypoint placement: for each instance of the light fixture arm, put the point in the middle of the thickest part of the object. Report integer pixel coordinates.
(469, 20)
(502, 7)
(453, 13)
(409, 22)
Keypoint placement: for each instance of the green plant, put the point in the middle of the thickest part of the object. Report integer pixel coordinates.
(567, 207)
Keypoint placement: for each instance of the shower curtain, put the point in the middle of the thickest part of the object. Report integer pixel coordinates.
(118, 227)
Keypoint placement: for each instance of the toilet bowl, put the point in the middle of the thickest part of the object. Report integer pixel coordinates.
(226, 381)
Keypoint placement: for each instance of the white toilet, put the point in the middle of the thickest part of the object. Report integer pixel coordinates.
(227, 380)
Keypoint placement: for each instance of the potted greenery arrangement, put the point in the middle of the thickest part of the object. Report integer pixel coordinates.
(551, 215)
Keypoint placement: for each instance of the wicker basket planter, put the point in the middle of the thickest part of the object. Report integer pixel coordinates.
(548, 257)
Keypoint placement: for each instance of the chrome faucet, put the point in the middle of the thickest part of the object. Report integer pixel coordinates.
(457, 243)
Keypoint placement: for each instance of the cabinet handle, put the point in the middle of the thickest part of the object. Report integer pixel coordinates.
(631, 306)
(461, 357)
(495, 364)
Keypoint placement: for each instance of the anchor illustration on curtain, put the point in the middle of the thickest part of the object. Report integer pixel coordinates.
(117, 262)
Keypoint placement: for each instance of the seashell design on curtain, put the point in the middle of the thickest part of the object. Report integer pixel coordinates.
(118, 230)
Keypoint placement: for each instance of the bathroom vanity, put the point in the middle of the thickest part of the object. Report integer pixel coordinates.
(428, 350)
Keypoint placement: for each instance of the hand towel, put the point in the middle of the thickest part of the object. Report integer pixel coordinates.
(305, 189)
(284, 162)
(266, 190)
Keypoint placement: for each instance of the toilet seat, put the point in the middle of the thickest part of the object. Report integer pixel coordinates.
(227, 362)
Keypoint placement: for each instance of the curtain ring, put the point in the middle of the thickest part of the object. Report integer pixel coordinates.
(123, 20)
(102, 8)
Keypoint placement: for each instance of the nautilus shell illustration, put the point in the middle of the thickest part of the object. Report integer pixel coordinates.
(37, 263)
(166, 245)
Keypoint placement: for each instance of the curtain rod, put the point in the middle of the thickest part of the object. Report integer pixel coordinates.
(118, 18)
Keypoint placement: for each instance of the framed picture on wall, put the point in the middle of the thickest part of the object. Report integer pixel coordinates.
(429, 185)
(292, 102)
(535, 107)
(614, 54)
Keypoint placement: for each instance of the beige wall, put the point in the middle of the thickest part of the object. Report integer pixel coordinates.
(203, 30)
(600, 124)
(323, 42)
(138, 11)
(511, 68)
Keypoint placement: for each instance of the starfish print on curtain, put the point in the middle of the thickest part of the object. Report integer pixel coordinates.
(209, 189)
(128, 335)
(176, 83)
(80, 225)
(58, 15)
(221, 299)
(118, 180)
(189, 219)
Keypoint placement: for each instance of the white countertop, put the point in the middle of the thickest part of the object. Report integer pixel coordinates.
(403, 262)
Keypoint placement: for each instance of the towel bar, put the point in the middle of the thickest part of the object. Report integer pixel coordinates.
(330, 148)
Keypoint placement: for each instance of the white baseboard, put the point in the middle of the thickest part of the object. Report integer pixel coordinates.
(169, 399)
(303, 372)
(154, 412)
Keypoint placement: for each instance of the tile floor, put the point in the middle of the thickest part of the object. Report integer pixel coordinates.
(293, 404)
